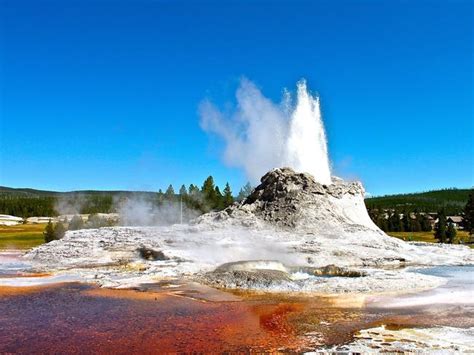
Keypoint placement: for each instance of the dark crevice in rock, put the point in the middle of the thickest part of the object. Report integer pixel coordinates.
(150, 254)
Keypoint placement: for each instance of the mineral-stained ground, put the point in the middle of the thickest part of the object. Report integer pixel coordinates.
(278, 255)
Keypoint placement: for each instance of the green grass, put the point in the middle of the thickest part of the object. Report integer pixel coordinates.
(425, 236)
(23, 236)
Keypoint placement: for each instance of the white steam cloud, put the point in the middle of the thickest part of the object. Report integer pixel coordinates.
(261, 135)
(132, 210)
(140, 211)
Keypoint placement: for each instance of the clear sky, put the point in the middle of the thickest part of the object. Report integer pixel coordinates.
(105, 94)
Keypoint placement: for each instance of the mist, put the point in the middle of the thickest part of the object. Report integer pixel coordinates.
(260, 134)
(140, 211)
(129, 210)
(70, 204)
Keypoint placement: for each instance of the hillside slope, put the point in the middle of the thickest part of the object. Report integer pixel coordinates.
(452, 200)
(28, 192)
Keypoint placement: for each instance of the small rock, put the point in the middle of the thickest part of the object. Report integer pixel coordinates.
(150, 254)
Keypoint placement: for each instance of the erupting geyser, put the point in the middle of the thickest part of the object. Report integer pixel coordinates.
(306, 148)
(261, 135)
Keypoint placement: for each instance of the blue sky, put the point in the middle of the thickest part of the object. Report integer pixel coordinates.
(105, 94)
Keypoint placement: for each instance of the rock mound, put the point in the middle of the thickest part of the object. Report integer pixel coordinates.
(247, 279)
(291, 200)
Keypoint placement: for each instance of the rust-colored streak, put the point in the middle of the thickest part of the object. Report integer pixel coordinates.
(274, 318)
(13, 291)
(71, 319)
(77, 318)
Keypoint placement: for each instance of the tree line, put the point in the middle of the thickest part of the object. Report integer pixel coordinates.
(207, 198)
(202, 199)
(28, 206)
(395, 220)
(451, 200)
(444, 231)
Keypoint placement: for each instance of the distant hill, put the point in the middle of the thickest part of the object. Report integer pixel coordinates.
(27, 192)
(26, 202)
(452, 200)
(32, 202)
(24, 192)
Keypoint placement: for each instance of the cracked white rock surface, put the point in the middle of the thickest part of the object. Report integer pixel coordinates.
(436, 340)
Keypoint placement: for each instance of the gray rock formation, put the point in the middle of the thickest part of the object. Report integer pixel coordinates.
(289, 200)
(267, 274)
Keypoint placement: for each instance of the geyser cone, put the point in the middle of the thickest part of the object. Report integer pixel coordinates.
(287, 199)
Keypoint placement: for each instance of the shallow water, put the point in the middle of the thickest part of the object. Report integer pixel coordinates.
(457, 291)
(82, 318)
(183, 317)
(11, 263)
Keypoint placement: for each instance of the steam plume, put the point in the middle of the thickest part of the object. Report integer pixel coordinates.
(261, 135)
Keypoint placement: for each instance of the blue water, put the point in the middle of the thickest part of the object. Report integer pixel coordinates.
(11, 263)
(459, 277)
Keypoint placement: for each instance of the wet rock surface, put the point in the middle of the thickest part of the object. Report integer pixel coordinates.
(434, 340)
(333, 271)
(246, 279)
(269, 274)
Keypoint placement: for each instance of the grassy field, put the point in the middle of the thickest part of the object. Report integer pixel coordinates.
(425, 236)
(22, 236)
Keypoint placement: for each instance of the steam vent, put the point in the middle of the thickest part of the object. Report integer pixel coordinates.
(291, 200)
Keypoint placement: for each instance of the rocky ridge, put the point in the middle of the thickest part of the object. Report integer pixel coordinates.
(290, 200)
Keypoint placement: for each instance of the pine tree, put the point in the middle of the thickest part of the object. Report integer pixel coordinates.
(405, 222)
(373, 214)
(218, 199)
(416, 223)
(208, 185)
(49, 232)
(383, 223)
(468, 218)
(209, 193)
(451, 233)
(425, 224)
(244, 192)
(183, 191)
(394, 222)
(169, 194)
(228, 199)
(440, 229)
(59, 231)
(193, 190)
